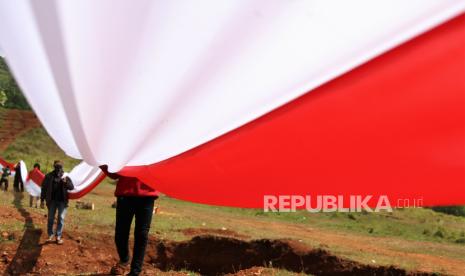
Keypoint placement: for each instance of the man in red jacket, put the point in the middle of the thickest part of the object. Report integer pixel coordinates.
(134, 199)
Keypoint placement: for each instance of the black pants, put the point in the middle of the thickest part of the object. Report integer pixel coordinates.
(126, 209)
(18, 186)
(4, 181)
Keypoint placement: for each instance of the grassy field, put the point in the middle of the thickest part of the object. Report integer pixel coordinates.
(414, 239)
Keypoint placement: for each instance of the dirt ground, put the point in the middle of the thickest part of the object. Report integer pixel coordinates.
(368, 244)
(14, 124)
(206, 253)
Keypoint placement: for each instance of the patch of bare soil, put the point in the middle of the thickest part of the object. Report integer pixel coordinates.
(376, 245)
(213, 255)
(14, 124)
(220, 232)
(207, 255)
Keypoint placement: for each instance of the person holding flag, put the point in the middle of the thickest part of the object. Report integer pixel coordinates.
(55, 189)
(4, 179)
(134, 199)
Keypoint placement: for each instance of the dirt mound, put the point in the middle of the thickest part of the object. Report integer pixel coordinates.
(220, 232)
(213, 255)
(207, 255)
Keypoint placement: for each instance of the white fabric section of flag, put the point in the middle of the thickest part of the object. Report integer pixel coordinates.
(136, 82)
(32, 188)
(82, 176)
(23, 168)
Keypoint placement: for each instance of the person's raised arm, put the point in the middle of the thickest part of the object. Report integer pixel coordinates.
(68, 183)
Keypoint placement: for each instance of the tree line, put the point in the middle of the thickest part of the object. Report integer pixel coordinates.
(10, 93)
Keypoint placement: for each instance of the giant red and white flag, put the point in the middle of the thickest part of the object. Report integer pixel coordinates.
(84, 178)
(222, 102)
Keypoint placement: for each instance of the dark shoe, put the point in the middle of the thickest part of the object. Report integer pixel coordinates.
(119, 268)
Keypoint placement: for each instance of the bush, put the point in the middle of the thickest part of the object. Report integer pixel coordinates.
(11, 97)
(451, 210)
(352, 217)
(439, 234)
(460, 240)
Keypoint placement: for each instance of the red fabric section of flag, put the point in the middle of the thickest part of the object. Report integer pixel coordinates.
(394, 126)
(87, 189)
(7, 164)
(37, 176)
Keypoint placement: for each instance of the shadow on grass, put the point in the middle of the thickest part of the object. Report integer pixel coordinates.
(29, 248)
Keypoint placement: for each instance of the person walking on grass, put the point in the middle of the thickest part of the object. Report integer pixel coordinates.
(4, 179)
(55, 189)
(134, 199)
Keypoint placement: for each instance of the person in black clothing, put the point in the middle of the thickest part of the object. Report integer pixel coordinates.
(18, 184)
(55, 189)
(4, 180)
(135, 201)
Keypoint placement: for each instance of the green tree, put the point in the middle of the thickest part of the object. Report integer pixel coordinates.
(3, 98)
(14, 96)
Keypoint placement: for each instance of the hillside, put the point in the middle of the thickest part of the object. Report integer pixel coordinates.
(23, 138)
(17, 119)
